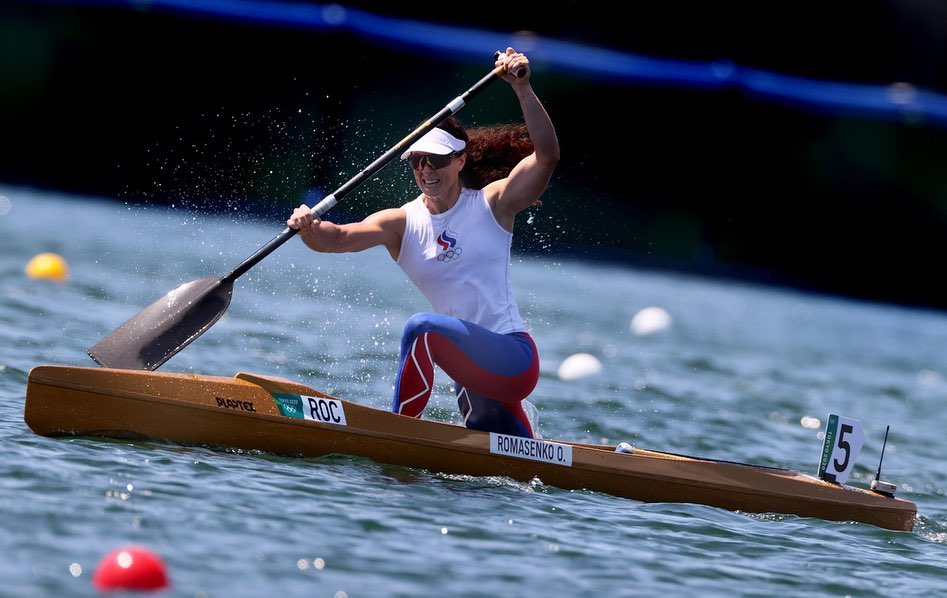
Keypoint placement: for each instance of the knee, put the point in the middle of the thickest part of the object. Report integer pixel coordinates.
(416, 325)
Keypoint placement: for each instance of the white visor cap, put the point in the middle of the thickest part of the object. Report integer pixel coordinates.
(436, 141)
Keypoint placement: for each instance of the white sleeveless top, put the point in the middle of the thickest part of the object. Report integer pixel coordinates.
(460, 260)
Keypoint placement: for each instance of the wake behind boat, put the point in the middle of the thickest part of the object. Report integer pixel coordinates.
(283, 417)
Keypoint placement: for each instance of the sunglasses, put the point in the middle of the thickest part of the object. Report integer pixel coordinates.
(434, 161)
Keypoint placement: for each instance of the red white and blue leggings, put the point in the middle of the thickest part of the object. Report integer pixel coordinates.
(492, 372)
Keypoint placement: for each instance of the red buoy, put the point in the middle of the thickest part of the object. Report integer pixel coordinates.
(130, 568)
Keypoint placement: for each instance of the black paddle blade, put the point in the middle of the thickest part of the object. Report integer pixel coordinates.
(165, 327)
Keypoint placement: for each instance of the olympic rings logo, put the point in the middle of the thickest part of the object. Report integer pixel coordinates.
(450, 254)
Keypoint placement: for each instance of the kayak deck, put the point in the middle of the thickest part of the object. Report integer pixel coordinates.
(279, 416)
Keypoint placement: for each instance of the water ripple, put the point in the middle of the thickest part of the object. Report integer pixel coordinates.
(745, 373)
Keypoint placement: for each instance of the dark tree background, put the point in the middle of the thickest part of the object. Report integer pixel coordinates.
(145, 105)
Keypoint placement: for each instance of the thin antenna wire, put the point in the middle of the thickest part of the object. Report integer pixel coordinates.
(883, 444)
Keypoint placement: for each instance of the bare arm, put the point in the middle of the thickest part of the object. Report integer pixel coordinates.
(530, 177)
(385, 227)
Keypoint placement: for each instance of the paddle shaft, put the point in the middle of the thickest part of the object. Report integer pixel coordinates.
(333, 198)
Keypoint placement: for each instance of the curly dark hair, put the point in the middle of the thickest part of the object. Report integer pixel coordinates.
(492, 150)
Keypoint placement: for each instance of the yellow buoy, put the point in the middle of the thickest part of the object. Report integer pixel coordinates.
(48, 266)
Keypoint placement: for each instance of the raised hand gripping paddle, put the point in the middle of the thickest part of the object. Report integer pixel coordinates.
(169, 324)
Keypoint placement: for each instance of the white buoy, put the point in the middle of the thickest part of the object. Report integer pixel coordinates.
(578, 366)
(649, 321)
(624, 447)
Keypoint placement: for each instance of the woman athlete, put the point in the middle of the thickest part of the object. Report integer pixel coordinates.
(453, 241)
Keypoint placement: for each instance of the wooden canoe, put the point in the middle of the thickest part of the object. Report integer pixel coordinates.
(283, 417)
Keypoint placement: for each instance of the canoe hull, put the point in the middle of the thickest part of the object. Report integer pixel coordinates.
(245, 412)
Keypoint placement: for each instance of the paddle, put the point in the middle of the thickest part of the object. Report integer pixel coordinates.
(172, 322)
